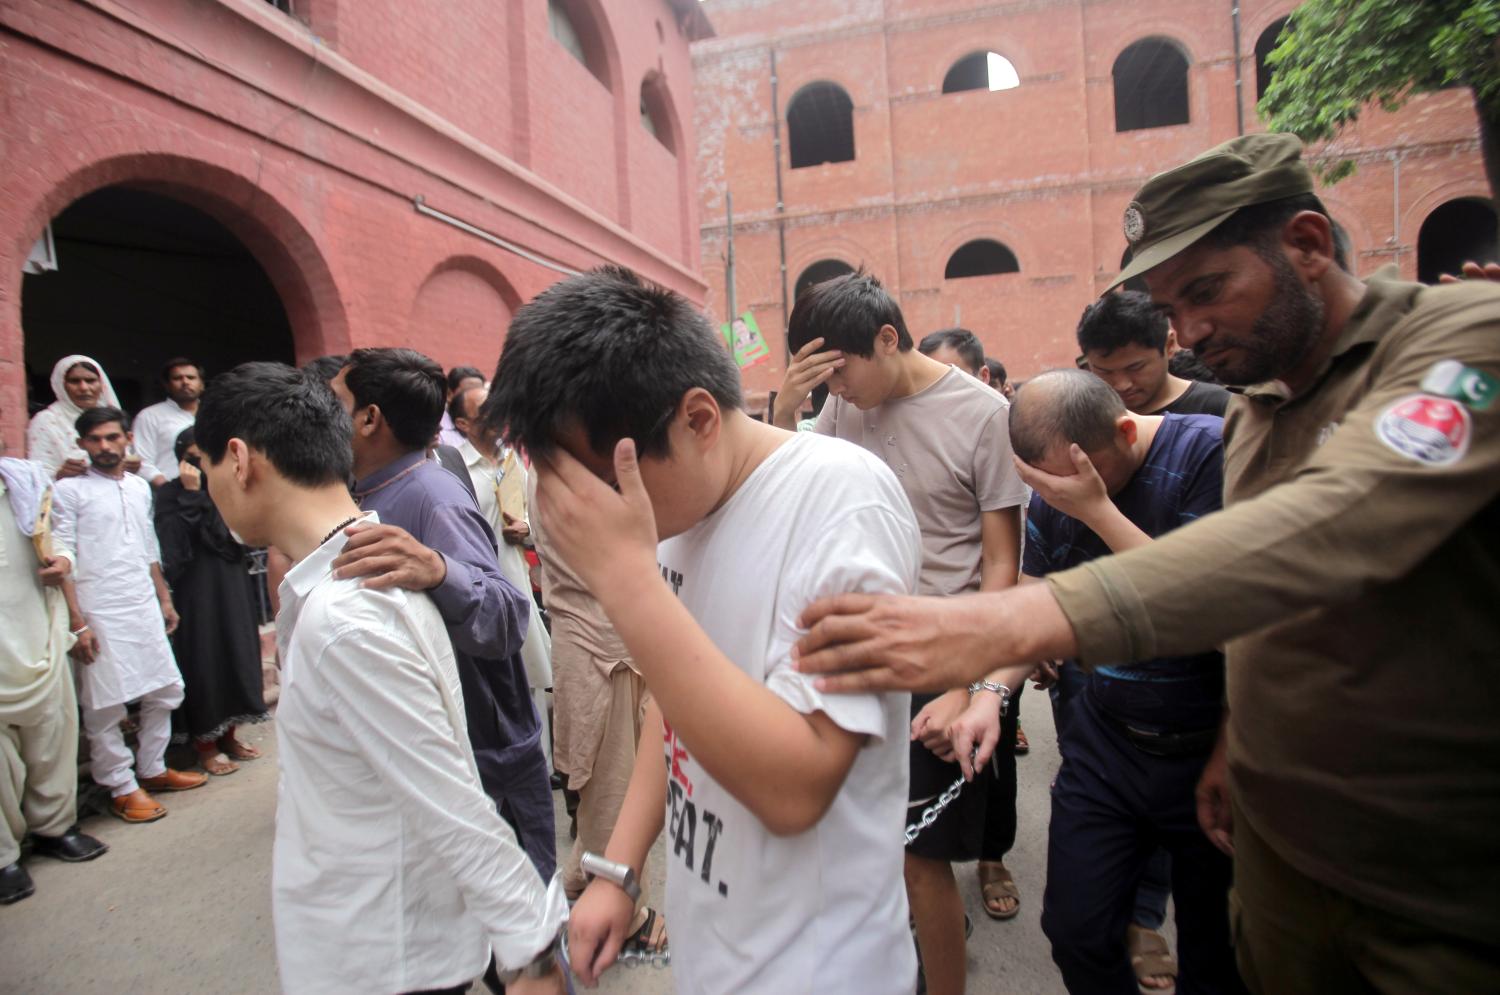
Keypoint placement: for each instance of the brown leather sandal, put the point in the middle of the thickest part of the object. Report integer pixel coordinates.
(996, 883)
(138, 807)
(1150, 957)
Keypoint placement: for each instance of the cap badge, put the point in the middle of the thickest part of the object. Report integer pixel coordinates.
(1135, 224)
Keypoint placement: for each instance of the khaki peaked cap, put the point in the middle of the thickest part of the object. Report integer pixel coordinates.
(1177, 208)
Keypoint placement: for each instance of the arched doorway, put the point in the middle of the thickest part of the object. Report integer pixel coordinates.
(1459, 231)
(142, 277)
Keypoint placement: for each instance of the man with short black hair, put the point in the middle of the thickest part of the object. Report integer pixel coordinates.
(944, 434)
(432, 538)
(1123, 338)
(459, 379)
(999, 379)
(121, 612)
(157, 426)
(957, 347)
(658, 488)
(392, 871)
(1134, 736)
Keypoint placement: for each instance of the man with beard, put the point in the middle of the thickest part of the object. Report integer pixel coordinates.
(157, 426)
(1357, 544)
(121, 612)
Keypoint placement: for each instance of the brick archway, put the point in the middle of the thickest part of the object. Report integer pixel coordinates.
(279, 242)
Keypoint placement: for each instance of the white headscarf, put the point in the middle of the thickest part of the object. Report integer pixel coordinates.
(52, 434)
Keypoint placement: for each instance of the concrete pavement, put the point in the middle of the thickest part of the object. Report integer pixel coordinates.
(183, 905)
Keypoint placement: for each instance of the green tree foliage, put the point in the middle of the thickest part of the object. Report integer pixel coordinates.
(1336, 57)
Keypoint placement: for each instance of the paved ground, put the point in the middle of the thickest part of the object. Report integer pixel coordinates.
(183, 905)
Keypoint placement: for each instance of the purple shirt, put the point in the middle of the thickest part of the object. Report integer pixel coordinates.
(486, 617)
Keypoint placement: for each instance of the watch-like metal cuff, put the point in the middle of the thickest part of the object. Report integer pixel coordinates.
(620, 875)
(995, 687)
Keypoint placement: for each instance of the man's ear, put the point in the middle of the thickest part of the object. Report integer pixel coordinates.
(1308, 239)
(239, 453)
(984, 374)
(367, 420)
(701, 415)
(1129, 431)
(887, 340)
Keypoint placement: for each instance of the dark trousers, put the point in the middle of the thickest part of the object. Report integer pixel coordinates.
(1000, 804)
(1156, 880)
(1295, 936)
(1113, 806)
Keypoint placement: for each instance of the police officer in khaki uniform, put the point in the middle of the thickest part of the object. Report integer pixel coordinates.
(1353, 577)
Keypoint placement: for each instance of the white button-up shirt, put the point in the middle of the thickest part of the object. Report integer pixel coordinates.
(156, 430)
(393, 871)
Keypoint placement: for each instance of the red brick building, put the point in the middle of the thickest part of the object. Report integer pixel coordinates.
(238, 179)
(867, 132)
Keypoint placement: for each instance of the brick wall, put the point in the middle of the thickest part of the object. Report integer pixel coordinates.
(311, 137)
(1039, 168)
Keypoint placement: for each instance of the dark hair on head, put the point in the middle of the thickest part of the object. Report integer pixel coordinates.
(176, 361)
(92, 418)
(405, 385)
(998, 375)
(325, 368)
(1185, 363)
(459, 374)
(961, 341)
(86, 365)
(456, 407)
(1125, 317)
(847, 312)
(1258, 227)
(1063, 406)
(610, 353)
(289, 415)
(184, 442)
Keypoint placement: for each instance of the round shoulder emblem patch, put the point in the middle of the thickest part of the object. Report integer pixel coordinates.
(1427, 429)
(1135, 224)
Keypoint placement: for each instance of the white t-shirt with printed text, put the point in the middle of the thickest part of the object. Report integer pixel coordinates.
(824, 910)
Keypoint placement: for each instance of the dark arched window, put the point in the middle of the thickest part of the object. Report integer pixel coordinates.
(656, 112)
(1151, 85)
(981, 257)
(573, 26)
(1460, 231)
(981, 71)
(823, 269)
(1264, 46)
(820, 125)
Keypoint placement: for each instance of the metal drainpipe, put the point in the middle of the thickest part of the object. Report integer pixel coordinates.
(1239, 75)
(780, 205)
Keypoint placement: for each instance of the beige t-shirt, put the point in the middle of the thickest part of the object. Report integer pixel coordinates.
(949, 446)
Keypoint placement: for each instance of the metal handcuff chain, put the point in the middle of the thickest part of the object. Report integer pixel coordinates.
(625, 958)
(931, 813)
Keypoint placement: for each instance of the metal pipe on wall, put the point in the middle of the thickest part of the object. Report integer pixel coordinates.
(780, 204)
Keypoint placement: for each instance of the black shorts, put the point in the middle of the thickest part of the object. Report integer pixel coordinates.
(959, 830)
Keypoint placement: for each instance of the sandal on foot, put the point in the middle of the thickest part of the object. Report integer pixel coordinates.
(996, 884)
(1023, 745)
(217, 764)
(1150, 957)
(650, 937)
(238, 750)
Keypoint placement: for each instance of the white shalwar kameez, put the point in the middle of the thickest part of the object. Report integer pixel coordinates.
(103, 526)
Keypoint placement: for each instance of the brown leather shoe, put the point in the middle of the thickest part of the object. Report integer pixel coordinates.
(138, 807)
(173, 780)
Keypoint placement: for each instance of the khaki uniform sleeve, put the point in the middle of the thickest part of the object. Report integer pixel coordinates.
(1358, 513)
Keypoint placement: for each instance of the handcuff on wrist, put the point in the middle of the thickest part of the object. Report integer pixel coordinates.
(995, 687)
(622, 876)
(540, 967)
